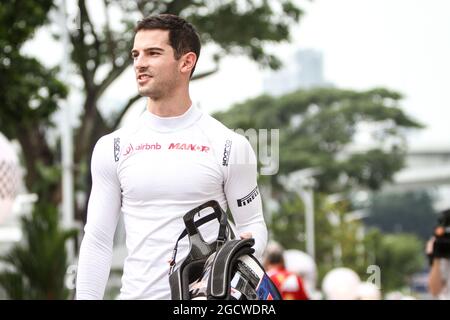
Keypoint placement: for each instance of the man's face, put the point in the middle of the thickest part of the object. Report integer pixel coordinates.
(157, 70)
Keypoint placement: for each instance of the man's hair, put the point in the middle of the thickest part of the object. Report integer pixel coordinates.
(275, 258)
(183, 37)
(274, 254)
(444, 218)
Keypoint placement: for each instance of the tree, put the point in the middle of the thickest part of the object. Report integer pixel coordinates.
(316, 128)
(318, 125)
(100, 54)
(399, 256)
(36, 267)
(338, 241)
(410, 212)
(341, 242)
(29, 94)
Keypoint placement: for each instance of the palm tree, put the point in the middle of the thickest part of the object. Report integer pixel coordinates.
(36, 267)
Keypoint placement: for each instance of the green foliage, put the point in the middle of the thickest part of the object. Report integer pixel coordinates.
(243, 29)
(236, 27)
(316, 127)
(19, 19)
(410, 212)
(232, 27)
(287, 224)
(288, 228)
(36, 267)
(348, 243)
(399, 256)
(29, 93)
(337, 242)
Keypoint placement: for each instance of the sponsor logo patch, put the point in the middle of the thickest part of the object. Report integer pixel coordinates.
(188, 146)
(141, 147)
(226, 153)
(116, 149)
(248, 198)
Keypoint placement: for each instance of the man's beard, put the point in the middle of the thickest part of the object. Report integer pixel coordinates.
(154, 93)
(157, 90)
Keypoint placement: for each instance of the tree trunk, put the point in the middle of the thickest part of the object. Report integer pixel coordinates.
(35, 146)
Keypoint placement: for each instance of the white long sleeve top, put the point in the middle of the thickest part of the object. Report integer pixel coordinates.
(154, 172)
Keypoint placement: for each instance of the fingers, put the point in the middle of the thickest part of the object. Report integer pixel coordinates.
(246, 235)
(429, 246)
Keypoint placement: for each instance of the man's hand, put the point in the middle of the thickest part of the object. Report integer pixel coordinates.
(429, 246)
(246, 235)
(429, 250)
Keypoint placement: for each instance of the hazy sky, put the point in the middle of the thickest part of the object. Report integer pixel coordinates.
(399, 44)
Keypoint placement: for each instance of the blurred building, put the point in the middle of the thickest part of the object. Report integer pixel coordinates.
(426, 168)
(303, 70)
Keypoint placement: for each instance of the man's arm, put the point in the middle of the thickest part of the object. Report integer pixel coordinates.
(435, 278)
(94, 261)
(242, 193)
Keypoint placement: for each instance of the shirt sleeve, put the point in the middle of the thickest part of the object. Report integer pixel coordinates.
(241, 191)
(95, 257)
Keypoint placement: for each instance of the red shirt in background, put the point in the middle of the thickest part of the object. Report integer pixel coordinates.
(288, 283)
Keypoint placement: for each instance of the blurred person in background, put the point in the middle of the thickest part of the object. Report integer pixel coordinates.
(288, 283)
(368, 291)
(303, 264)
(438, 251)
(341, 283)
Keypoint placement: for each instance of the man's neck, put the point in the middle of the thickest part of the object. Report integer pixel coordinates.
(173, 106)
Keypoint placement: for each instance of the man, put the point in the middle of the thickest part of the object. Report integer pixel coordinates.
(439, 276)
(289, 284)
(157, 169)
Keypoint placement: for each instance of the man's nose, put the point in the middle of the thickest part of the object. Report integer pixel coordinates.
(140, 63)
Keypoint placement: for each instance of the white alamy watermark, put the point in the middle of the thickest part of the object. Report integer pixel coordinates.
(266, 145)
(375, 275)
(71, 277)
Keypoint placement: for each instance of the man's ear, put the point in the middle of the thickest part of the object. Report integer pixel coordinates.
(188, 61)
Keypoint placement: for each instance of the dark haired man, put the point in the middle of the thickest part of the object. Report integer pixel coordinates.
(154, 171)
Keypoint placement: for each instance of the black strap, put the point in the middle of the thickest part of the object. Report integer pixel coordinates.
(219, 279)
(192, 227)
(198, 223)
